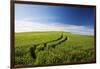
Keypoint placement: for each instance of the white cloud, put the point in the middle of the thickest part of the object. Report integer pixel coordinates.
(27, 25)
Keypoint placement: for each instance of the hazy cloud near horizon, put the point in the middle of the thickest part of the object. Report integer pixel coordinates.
(27, 25)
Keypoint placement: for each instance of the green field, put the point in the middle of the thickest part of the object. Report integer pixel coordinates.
(53, 48)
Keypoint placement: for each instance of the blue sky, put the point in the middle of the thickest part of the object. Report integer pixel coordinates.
(77, 20)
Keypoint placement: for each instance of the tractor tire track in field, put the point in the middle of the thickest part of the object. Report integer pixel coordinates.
(47, 45)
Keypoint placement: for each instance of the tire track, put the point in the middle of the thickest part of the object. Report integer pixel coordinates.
(55, 43)
(47, 45)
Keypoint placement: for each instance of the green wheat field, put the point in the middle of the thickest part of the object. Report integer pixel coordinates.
(34, 48)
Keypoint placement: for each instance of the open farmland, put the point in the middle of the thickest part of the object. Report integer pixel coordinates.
(53, 48)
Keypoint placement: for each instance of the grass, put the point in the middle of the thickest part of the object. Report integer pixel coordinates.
(53, 48)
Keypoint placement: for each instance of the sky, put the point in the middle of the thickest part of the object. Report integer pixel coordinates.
(77, 20)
